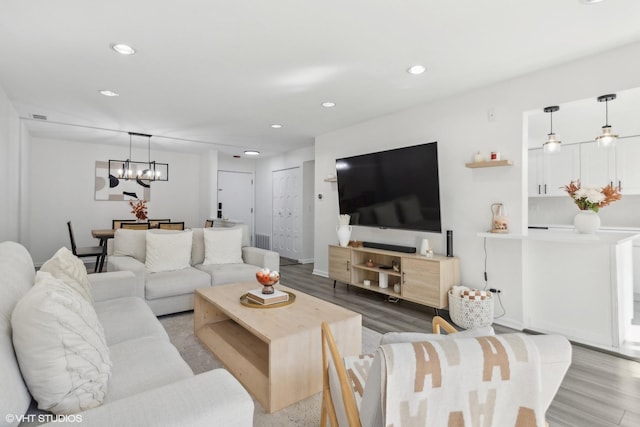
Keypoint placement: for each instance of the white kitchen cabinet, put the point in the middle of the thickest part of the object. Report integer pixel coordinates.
(549, 173)
(627, 176)
(536, 173)
(617, 166)
(598, 165)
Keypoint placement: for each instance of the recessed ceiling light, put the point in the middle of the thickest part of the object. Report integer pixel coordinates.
(251, 153)
(123, 49)
(276, 126)
(328, 104)
(416, 69)
(109, 93)
(590, 1)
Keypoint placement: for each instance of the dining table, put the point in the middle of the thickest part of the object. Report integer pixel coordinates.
(103, 235)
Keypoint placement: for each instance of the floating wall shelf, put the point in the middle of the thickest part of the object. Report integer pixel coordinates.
(489, 164)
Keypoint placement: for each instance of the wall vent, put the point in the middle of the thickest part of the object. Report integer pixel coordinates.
(263, 241)
(39, 116)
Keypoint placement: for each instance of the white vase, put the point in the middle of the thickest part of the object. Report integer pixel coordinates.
(586, 222)
(344, 234)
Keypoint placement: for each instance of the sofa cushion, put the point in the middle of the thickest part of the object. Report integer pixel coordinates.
(144, 364)
(61, 347)
(168, 251)
(117, 315)
(131, 243)
(197, 247)
(67, 267)
(223, 245)
(172, 283)
(16, 279)
(230, 273)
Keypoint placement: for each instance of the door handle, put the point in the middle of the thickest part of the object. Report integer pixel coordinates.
(538, 188)
(348, 265)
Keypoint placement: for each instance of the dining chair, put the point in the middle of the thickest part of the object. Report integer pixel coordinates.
(90, 251)
(208, 223)
(115, 224)
(153, 223)
(171, 226)
(135, 225)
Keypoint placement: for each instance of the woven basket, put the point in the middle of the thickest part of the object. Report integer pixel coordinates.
(470, 313)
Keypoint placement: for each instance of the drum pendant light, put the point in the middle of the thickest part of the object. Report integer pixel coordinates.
(551, 145)
(606, 139)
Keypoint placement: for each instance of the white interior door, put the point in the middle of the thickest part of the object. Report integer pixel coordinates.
(287, 219)
(235, 197)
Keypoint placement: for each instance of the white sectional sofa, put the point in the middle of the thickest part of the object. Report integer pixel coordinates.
(171, 291)
(149, 384)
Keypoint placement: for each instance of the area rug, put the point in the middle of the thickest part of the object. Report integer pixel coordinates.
(200, 359)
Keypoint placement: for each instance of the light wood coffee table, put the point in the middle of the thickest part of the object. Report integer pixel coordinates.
(276, 353)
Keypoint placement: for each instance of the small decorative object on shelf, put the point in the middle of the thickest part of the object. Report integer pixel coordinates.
(589, 200)
(383, 280)
(499, 218)
(139, 209)
(370, 263)
(495, 155)
(267, 279)
(478, 157)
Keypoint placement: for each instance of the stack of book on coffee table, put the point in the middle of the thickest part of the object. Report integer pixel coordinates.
(256, 296)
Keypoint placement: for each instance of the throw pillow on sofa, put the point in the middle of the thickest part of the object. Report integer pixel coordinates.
(64, 265)
(131, 243)
(223, 245)
(168, 250)
(60, 347)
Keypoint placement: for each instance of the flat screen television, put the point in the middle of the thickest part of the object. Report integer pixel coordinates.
(392, 189)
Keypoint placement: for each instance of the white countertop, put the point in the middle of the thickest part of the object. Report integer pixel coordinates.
(569, 235)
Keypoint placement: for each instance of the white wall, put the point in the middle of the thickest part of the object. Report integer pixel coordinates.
(461, 127)
(308, 207)
(9, 169)
(62, 175)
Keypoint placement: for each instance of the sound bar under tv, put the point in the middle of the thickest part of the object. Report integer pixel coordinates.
(396, 248)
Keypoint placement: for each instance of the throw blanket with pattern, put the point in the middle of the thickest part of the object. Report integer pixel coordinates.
(467, 382)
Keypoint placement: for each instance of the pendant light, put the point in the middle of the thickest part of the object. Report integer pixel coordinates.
(140, 171)
(607, 139)
(551, 145)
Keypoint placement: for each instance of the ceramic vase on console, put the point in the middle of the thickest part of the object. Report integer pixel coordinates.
(586, 222)
(344, 234)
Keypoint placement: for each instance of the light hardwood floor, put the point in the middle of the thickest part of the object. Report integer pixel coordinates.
(600, 390)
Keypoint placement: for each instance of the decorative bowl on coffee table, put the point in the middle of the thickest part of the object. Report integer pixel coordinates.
(267, 279)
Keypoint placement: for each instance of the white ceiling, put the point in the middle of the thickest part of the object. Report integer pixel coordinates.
(221, 72)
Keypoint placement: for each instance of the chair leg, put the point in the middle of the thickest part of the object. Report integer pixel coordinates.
(97, 266)
(102, 258)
